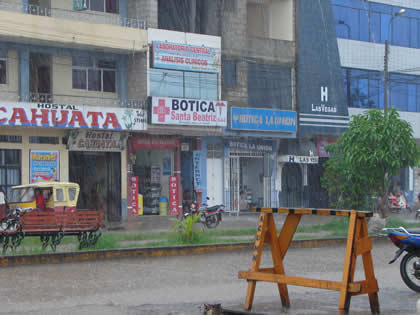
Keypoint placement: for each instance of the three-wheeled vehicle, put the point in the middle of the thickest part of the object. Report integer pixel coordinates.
(58, 216)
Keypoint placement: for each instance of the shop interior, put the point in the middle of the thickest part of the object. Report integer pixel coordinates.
(99, 177)
(251, 183)
(153, 167)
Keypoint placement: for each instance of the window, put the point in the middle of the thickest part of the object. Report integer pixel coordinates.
(172, 83)
(269, 86)
(13, 139)
(3, 71)
(365, 89)
(229, 73)
(59, 194)
(43, 140)
(10, 163)
(72, 194)
(94, 74)
(368, 21)
(109, 6)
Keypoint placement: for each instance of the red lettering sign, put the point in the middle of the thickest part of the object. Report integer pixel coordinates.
(173, 195)
(134, 196)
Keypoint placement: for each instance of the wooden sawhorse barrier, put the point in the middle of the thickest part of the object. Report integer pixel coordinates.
(358, 243)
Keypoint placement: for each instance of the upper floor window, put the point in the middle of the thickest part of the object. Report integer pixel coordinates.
(186, 84)
(3, 66)
(365, 89)
(369, 21)
(269, 86)
(3, 72)
(94, 74)
(109, 6)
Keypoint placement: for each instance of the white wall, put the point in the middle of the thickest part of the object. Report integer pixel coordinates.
(411, 117)
(414, 4)
(281, 19)
(370, 56)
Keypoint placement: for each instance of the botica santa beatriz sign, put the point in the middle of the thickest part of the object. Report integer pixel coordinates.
(178, 111)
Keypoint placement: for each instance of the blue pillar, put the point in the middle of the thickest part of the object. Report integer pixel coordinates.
(24, 75)
(204, 168)
(25, 4)
(122, 80)
(123, 8)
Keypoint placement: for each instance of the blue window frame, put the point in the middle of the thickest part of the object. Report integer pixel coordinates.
(365, 89)
(368, 21)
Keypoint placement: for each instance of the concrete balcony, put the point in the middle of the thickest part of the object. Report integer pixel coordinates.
(271, 50)
(71, 29)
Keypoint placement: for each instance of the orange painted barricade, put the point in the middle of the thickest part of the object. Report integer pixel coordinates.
(358, 243)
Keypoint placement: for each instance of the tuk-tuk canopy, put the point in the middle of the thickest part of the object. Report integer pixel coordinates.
(63, 193)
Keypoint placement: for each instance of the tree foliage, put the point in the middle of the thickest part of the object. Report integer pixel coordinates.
(376, 146)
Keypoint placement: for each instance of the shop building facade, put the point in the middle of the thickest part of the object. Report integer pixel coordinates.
(65, 106)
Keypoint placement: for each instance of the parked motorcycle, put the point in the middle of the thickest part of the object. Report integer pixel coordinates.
(407, 241)
(209, 216)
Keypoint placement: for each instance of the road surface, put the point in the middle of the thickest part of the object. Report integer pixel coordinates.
(182, 284)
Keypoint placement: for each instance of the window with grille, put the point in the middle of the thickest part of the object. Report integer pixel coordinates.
(3, 70)
(44, 140)
(10, 169)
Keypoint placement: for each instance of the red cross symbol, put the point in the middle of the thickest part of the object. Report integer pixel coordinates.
(161, 110)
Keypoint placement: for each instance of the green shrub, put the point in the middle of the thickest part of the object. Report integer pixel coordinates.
(185, 229)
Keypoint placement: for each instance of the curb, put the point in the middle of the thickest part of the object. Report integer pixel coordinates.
(83, 256)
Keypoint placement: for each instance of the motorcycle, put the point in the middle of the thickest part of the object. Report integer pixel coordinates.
(209, 216)
(407, 241)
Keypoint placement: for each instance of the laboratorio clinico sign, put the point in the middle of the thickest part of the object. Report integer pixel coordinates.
(71, 116)
(178, 111)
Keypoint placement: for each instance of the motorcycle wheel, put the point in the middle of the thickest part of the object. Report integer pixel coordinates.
(410, 274)
(212, 221)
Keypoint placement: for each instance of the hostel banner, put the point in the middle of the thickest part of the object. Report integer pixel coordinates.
(71, 116)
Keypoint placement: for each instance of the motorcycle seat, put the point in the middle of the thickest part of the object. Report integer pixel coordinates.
(413, 231)
(213, 208)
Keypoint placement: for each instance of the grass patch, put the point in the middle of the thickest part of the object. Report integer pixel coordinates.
(337, 224)
(397, 222)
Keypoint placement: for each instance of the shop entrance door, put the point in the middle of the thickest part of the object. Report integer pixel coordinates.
(99, 177)
(318, 196)
(291, 185)
(214, 181)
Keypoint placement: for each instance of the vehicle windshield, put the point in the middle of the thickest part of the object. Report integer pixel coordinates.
(22, 195)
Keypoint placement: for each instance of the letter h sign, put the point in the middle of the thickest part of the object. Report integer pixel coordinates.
(324, 93)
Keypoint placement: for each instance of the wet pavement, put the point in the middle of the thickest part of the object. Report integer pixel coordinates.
(182, 284)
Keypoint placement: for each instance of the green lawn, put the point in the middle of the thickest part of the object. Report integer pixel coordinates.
(335, 228)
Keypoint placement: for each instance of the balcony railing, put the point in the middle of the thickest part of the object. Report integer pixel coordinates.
(41, 98)
(37, 10)
(86, 16)
(13, 96)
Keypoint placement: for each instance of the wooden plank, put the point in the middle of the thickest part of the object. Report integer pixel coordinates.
(277, 261)
(256, 257)
(344, 296)
(313, 211)
(369, 273)
(287, 232)
(367, 286)
(300, 281)
(363, 245)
